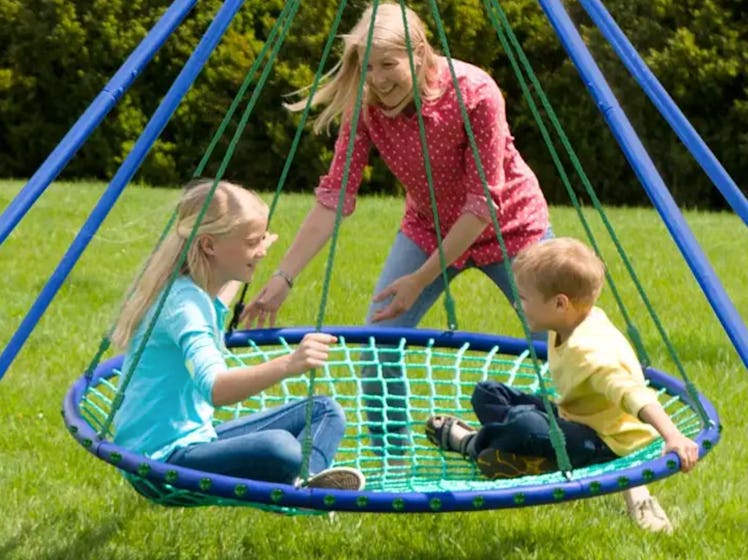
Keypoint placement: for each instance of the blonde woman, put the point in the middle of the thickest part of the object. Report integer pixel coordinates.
(410, 281)
(181, 375)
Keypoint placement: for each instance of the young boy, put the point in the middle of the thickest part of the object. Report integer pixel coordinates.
(604, 407)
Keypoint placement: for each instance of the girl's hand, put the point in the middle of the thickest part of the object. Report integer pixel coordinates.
(264, 306)
(686, 449)
(311, 352)
(404, 292)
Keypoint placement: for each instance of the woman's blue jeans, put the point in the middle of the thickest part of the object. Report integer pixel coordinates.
(267, 445)
(385, 391)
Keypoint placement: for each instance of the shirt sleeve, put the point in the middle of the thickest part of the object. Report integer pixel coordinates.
(490, 130)
(622, 387)
(191, 326)
(328, 191)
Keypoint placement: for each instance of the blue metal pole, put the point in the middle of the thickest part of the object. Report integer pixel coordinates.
(648, 175)
(667, 107)
(128, 168)
(94, 114)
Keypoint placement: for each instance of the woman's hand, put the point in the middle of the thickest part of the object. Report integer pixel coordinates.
(404, 292)
(311, 237)
(264, 306)
(311, 352)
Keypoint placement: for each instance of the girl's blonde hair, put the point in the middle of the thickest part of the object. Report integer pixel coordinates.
(339, 91)
(230, 207)
(561, 266)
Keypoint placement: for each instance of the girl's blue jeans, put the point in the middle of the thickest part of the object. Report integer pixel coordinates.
(385, 391)
(267, 445)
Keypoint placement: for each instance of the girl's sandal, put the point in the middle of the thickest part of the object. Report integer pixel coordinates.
(438, 429)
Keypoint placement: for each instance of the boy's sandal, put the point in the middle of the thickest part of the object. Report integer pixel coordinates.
(438, 429)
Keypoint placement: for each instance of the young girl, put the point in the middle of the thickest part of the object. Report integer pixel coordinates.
(181, 375)
(410, 281)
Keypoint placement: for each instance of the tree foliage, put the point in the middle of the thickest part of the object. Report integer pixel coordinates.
(57, 55)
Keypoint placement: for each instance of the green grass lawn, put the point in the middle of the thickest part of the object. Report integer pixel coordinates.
(59, 502)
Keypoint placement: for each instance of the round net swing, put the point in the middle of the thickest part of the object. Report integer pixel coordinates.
(441, 368)
(439, 371)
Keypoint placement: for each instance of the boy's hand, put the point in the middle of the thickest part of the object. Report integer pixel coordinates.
(675, 441)
(686, 449)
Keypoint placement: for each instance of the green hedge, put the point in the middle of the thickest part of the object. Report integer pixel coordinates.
(56, 55)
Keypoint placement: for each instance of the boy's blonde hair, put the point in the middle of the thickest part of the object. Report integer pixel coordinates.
(561, 266)
(230, 207)
(339, 91)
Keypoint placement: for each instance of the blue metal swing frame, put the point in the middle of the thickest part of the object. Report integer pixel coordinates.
(572, 42)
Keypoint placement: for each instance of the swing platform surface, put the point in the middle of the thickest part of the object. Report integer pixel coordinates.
(440, 370)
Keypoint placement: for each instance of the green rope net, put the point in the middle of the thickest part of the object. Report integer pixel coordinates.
(437, 380)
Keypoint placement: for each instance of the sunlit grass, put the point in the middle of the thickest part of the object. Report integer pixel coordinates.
(60, 502)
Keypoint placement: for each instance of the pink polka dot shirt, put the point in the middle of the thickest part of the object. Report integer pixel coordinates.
(521, 208)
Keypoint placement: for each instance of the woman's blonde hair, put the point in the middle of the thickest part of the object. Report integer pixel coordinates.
(230, 207)
(561, 266)
(339, 91)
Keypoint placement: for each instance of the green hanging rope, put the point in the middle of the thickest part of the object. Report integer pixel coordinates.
(346, 171)
(509, 50)
(239, 307)
(558, 440)
(306, 447)
(305, 113)
(107, 338)
(183, 255)
(633, 332)
(338, 218)
(282, 22)
(449, 304)
(105, 342)
(294, 6)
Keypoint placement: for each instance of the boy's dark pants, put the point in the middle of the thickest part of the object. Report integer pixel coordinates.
(517, 422)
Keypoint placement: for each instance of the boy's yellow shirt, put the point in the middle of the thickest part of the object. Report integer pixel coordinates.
(601, 384)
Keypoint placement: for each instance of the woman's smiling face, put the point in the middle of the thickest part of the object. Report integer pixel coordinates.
(388, 76)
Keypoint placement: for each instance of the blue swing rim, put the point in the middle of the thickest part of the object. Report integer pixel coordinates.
(322, 499)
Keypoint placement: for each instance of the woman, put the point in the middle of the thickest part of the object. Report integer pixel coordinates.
(410, 281)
